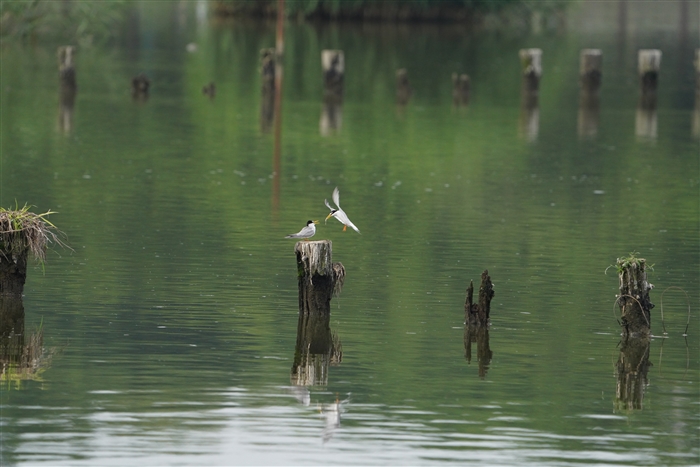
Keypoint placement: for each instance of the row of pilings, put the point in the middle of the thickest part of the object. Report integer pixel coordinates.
(333, 69)
(318, 347)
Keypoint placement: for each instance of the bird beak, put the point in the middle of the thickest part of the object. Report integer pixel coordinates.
(328, 217)
(315, 222)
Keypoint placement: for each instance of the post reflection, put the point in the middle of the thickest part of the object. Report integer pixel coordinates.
(631, 370)
(476, 323)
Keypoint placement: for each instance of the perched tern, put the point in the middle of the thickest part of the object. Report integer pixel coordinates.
(339, 213)
(307, 232)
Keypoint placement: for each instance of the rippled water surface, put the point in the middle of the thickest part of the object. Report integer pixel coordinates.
(169, 331)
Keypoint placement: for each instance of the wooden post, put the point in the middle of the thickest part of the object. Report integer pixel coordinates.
(11, 328)
(319, 279)
(461, 89)
(403, 87)
(333, 64)
(140, 84)
(634, 302)
(631, 370)
(13, 273)
(590, 78)
(531, 66)
(267, 103)
(66, 66)
(649, 65)
(591, 70)
(696, 111)
(477, 321)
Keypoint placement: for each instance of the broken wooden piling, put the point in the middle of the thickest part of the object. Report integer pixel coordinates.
(476, 323)
(478, 314)
(403, 87)
(591, 69)
(333, 66)
(461, 89)
(140, 85)
(590, 79)
(633, 300)
(66, 66)
(531, 67)
(649, 65)
(319, 279)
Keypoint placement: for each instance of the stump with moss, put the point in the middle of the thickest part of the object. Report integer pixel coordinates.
(22, 234)
(635, 304)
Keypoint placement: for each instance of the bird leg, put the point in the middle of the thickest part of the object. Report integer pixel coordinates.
(345, 227)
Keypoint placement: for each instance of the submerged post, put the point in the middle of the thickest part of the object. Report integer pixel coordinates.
(333, 64)
(649, 65)
(591, 69)
(461, 89)
(476, 323)
(531, 66)
(403, 87)
(590, 78)
(66, 66)
(634, 302)
(317, 346)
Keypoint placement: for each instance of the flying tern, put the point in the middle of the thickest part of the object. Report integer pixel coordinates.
(339, 213)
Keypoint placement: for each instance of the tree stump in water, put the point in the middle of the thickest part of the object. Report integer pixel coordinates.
(591, 70)
(403, 87)
(319, 280)
(634, 302)
(461, 89)
(476, 323)
(649, 65)
(478, 313)
(333, 64)
(66, 66)
(531, 66)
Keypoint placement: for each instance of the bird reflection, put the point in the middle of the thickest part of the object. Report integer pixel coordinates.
(331, 414)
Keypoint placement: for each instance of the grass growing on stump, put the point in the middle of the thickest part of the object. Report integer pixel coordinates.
(23, 233)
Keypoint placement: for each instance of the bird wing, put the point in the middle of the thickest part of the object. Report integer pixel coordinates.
(328, 205)
(336, 197)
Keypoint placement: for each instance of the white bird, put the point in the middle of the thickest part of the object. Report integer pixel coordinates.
(339, 213)
(305, 233)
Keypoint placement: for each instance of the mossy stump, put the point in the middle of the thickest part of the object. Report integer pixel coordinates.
(635, 304)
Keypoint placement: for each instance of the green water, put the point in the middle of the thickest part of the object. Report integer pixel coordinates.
(170, 328)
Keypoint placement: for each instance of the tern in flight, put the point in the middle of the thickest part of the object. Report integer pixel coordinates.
(339, 213)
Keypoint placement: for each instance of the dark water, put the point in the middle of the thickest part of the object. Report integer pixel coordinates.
(169, 331)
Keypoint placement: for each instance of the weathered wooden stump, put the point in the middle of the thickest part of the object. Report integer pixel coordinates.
(403, 87)
(478, 314)
(13, 273)
(476, 323)
(590, 73)
(333, 65)
(209, 90)
(631, 370)
(591, 70)
(634, 302)
(319, 280)
(529, 119)
(531, 66)
(11, 328)
(461, 89)
(140, 85)
(649, 65)
(319, 277)
(696, 110)
(66, 66)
